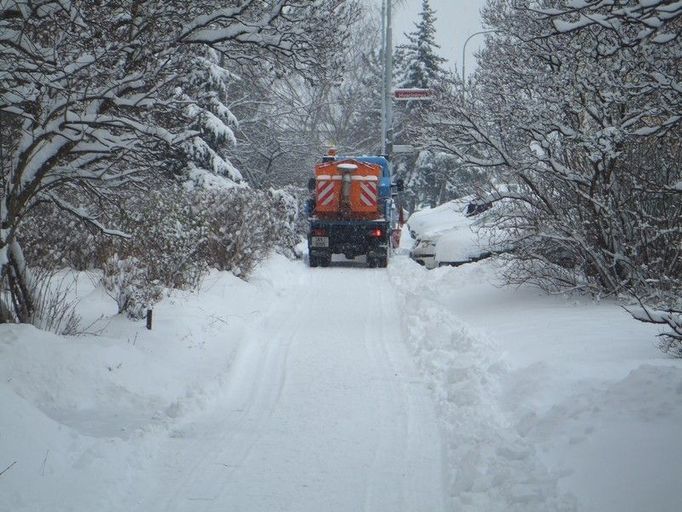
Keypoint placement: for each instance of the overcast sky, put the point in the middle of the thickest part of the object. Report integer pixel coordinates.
(457, 20)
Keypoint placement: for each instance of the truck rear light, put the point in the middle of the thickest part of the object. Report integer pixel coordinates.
(319, 232)
(376, 233)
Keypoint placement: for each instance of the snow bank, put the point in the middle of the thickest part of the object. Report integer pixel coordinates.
(548, 403)
(83, 418)
(493, 468)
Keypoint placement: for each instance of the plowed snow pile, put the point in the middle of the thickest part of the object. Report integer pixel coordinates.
(548, 403)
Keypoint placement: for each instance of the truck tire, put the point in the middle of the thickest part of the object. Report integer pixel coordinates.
(312, 261)
(383, 262)
(325, 261)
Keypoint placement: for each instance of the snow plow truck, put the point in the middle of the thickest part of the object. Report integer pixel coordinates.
(353, 210)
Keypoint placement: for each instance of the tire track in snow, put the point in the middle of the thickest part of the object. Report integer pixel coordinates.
(376, 494)
(328, 414)
(256, 379)
(274, 370)
(419, 434)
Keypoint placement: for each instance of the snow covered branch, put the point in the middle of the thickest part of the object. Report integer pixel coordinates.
(303, 35)
(650, 20)
(672, 318)
(578, 130)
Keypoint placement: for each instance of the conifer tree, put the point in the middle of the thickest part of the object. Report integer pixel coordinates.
(418, 63)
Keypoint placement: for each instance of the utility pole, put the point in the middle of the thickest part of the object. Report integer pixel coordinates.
(382, 58)
(387, 103)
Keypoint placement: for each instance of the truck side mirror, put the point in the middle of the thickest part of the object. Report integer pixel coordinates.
(311, 184)
(400, 184)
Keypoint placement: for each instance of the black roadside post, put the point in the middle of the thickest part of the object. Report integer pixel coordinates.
(149, 319)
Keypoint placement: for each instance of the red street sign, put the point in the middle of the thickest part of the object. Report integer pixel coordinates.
(412, 94)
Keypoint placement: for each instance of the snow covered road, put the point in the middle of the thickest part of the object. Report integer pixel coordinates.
(323, 410)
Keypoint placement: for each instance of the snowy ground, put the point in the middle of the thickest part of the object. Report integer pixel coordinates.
(292, 392)
(343, 389)
(549, 403)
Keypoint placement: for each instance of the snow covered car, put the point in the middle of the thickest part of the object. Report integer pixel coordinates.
(424, 252)
(448, 234)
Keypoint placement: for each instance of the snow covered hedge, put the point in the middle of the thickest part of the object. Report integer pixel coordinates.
(175, 236)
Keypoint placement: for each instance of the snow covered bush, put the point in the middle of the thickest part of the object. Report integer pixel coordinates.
(244, 226)
(174, 234)
(128, 281)
(292, 224)
(53, 240)
(177, 233)
(54, 307)
(237, 238)
(166, 232)
(162, 249)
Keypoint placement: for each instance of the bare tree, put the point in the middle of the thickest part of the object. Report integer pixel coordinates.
(285, 128)
(576, 112)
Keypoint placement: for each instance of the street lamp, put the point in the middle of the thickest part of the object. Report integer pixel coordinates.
(464, 77)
